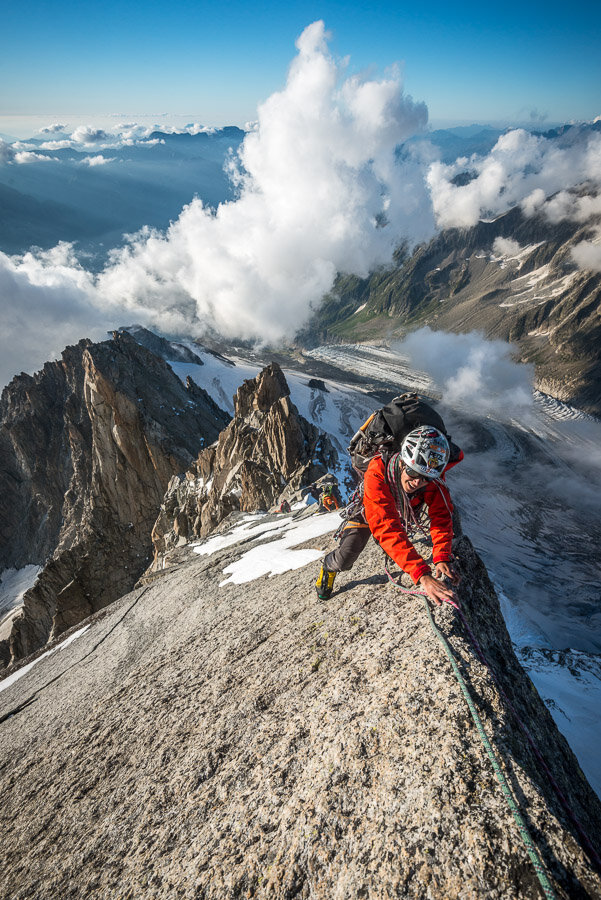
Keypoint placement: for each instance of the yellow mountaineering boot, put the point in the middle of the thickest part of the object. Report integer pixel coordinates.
(325, 583)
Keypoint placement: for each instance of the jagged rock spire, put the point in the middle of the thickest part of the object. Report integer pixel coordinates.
(88, 446)
(267, 449)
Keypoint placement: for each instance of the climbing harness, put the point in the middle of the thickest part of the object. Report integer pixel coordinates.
(532, 851)
(352, 511)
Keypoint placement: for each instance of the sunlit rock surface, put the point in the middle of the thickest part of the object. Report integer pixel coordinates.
(250, 741)
(88, 447)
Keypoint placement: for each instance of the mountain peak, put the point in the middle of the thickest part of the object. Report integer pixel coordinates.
(88, 446)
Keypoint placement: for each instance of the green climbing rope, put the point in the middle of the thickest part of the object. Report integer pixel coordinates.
(523, 829)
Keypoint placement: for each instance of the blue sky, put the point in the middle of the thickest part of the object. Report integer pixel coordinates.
(213, 62)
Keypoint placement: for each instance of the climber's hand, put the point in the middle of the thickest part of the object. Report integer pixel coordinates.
(443, 569)
(435, 590)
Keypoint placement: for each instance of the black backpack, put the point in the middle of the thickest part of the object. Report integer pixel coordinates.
(386, 429)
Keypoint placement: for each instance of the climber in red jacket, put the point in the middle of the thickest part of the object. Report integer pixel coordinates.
(395, 488)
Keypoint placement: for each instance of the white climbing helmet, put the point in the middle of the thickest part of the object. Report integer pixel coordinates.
(425, 450)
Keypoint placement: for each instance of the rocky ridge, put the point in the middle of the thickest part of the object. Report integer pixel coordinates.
(250, 741)
(266, 454)
(170, 351)
(87, 449)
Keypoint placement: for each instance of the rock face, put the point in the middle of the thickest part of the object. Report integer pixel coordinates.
(267, 452)
(87, 448)
(532, 295)
(249, 741)
(171, 351)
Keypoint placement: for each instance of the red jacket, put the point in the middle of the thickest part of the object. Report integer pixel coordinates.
(389, 531)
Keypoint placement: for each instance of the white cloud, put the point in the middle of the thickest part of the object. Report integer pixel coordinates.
(7, 154)
(57, 145)
(53, 129)
(26, 156)
(48, 301)
(87, 134)
(150, 143)
(130, 131)
(572, 205)
(191, 128)
(587, 254)
(197, 128)
(21, 154)
(99, 160)
(506, 247)
(319, 191)
(520, 169)
(473, 373)
(316, 180)
(85, 137)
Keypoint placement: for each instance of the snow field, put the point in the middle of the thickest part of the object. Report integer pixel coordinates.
(7, 682)
(274, 557)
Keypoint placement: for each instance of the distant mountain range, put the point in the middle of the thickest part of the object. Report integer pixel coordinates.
(532, 295)
(466, 140)
(60, 196)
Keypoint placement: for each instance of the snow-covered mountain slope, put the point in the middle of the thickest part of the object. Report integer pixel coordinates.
(528, 499)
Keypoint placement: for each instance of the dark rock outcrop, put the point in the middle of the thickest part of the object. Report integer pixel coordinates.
(170, 351)
(267, 452)
(250, 741)
(87, 449)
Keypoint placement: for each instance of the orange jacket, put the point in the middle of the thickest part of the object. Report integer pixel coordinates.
(388, 529)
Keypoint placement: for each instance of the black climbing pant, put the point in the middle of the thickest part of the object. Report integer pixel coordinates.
(353, 540)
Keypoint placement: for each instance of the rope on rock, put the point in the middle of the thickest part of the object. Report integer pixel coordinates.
(500, 775)
(559, 793)
(539, 756)
(519, 819)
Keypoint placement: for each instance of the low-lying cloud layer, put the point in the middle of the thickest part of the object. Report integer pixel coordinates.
(473, 373)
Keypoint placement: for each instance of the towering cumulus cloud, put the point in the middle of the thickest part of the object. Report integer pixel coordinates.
(318, 192)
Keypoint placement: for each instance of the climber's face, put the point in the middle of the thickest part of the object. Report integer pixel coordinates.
(412, 481)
